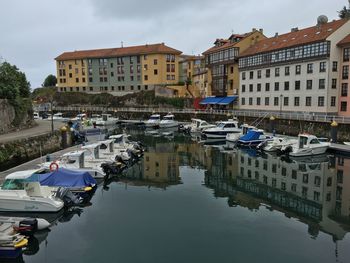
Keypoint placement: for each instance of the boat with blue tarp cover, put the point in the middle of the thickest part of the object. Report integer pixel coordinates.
(253, 138)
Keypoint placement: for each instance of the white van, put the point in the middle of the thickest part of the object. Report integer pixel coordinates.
(36, 115)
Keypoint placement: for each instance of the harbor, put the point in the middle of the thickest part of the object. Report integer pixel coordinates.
(187, 190)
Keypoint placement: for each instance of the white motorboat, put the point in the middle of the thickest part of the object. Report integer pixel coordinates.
(58, 117)
(107, 150)
(79, 117)
(77, 161)
(222, 129)
(18, 194)
(106, 120)
(168, 121)
(153, 121)
(121, 141)
(276, 144)
(198, 125)
(306, 145)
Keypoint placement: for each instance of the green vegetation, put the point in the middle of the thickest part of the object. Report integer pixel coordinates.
(50, 81)
(16, 89)
(344, 13)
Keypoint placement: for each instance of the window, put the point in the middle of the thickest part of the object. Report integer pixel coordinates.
(156, 72)
(286, 85)
(91, 88)
(322, 66)
(334, 83)
(268, 73)
(112, 74)
(145, 67)
(77, 80)
(267, 101)
(251, 74)
(258, 101)
(146, 77)
(145, 57)
(309, 84)
(131, 69)
(308, 101)
(277, 72)
(345, 72)
(335, 66)
(83, 79)
(344, 89)
(90, 79)
(296, 101)
(310, 68)
(259, 74)
(277, 86)
(297, 85)
(70, 75)
(275, 101)
(258, 87)
(322, 84)
(287, 71)
(285, 101)
(231, 69)
(297, 69)
(321, 101)
(243, 75)
(346, 54)
(111, 65)
(343, 106)
(243, 88)
(70, 66)
(250, 87)
(243, 101)
(250, 101)
(333, 101)
(267, 87)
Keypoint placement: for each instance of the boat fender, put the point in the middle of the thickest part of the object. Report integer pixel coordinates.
(53, 166)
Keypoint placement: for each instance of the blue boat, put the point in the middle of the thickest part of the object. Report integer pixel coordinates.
(253, 138)
(78, 182)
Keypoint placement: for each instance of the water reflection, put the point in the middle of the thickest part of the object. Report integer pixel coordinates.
(314, 190)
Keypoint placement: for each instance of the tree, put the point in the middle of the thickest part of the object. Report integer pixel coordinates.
(50, 81)
(13, 82)
(344, 13)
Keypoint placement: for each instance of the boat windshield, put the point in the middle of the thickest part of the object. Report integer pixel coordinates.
(169, 118)
(221, 125)
(154, 118)
(302, 141)
(13, 184)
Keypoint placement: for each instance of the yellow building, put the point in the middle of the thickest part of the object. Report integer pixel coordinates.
(222, 62)
(118, 71)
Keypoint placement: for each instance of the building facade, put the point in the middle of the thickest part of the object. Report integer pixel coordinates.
(221, 61)
(118, 71)
(297, 71)
(344, 103)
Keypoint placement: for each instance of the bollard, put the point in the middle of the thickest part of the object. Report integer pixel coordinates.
(48, 158)
(272, 125)
(334, 132)
(64, 136)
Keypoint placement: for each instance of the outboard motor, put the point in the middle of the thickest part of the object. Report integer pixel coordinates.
(68, 197)
(27, 226)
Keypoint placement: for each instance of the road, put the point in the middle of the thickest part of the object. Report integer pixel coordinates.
(44, 126)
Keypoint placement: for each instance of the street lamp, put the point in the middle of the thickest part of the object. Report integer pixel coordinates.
(281, 101)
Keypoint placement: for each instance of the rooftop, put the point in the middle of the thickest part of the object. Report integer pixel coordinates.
(344, 41)
(297, 37)
(160, 48)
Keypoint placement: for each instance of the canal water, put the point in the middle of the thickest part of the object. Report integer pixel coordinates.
(190, 202)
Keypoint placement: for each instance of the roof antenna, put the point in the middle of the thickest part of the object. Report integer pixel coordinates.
(122, 43)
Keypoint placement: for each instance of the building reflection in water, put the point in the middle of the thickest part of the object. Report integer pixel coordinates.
(314, 190)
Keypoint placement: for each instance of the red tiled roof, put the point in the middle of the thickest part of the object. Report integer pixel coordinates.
(300, 37)
(344, 41)
(227, 43)
(116, 52)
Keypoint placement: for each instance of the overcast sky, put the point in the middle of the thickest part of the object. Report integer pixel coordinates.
(33, 33)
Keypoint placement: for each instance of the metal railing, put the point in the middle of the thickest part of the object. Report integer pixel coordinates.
(303, 116)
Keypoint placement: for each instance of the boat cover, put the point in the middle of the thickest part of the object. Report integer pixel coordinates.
(65, 178)
(252, 135)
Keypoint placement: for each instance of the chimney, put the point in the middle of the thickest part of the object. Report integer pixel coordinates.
(253, 29)
(276, 34)
(294, 29)
(261, 30)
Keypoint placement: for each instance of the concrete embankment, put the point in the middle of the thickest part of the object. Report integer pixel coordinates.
(19, 151)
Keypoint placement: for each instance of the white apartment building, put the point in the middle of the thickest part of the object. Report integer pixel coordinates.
(295, 72)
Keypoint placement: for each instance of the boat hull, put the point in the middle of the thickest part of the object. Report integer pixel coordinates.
(217, 134)
(10, 252)
(309, 151)
(29, 204)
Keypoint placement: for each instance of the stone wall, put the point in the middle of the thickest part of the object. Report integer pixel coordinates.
(20, 151)
(9, 121)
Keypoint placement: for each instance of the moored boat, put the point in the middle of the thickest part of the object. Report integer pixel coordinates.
(222, 129)
(253, 138)
(306, 145)
(153, 121)
(168, 121)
